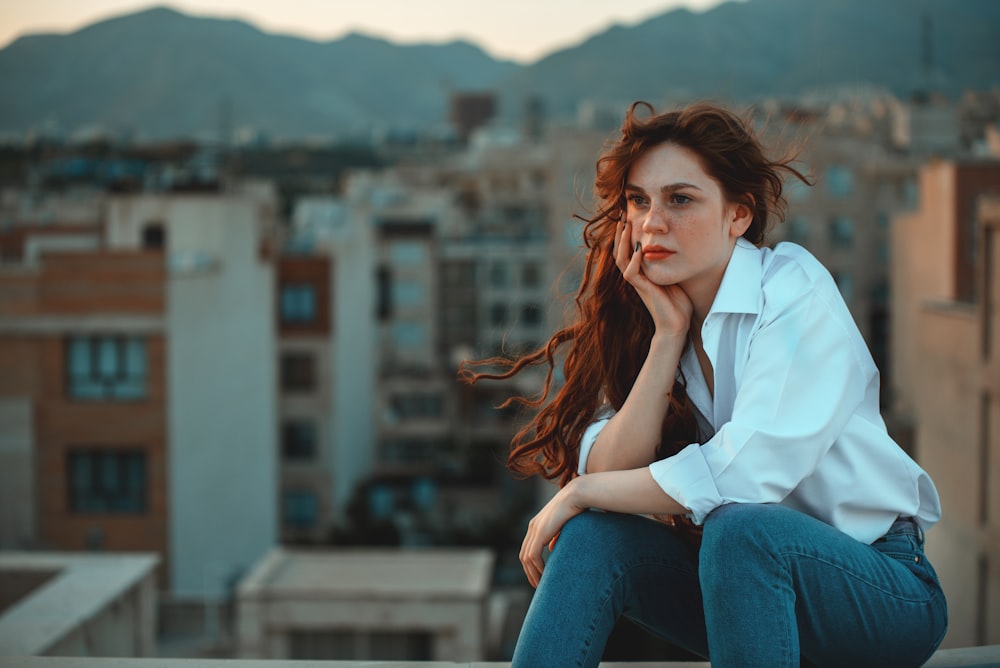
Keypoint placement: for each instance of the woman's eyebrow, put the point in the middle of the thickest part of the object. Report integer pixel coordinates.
(670, 187)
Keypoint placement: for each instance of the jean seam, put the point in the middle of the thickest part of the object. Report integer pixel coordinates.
(930, 595)
(610, 592)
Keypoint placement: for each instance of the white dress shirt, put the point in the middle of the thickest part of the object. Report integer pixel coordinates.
(795, 418)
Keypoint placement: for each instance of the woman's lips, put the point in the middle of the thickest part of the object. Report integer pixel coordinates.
(656, 253)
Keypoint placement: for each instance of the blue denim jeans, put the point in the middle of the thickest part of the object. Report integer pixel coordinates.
(768, 587)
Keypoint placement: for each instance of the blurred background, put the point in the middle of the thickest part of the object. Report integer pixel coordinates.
(243, 249)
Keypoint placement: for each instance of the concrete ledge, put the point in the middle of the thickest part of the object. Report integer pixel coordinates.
(89, 605)
(964, 657)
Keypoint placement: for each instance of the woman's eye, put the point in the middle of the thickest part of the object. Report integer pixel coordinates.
(636, 200)
(681, 199)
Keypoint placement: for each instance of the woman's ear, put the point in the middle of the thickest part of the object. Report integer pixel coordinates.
(740, 217)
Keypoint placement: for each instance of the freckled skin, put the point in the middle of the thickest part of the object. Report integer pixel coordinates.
(675, 204)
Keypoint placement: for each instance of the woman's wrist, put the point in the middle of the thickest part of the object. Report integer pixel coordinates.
(669, 340)
(576, 491)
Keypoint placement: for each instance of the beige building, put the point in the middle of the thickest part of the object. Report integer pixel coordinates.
(366, 604)
(946, 384)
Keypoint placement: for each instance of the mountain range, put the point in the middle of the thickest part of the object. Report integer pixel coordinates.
(162, 73)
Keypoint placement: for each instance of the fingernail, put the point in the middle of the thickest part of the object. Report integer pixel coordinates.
(637, 247)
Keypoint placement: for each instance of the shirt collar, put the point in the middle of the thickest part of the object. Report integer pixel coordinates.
(740, 290)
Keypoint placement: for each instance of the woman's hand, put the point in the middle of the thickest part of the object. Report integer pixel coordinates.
(669, 305)
(544, 528)
(634, 492)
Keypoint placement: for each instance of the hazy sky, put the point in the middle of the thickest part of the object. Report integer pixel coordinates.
(520, 30)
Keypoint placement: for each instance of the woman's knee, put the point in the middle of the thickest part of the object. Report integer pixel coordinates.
(594, 531)
(608, 538)
(738, 533)
(738, 521)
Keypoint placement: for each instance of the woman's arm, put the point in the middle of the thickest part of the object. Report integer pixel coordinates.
(630, 438)
(633, 491)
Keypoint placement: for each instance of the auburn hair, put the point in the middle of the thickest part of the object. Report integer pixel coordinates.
(610, 335)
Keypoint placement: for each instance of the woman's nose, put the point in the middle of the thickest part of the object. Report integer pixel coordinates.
(656, 219)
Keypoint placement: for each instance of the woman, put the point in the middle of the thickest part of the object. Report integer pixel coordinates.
(720, 387)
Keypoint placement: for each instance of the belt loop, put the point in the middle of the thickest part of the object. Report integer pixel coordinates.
(916, 525)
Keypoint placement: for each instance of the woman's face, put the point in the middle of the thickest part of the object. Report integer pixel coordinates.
(682, 220)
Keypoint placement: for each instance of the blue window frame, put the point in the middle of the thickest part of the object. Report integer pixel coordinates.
(106, 367)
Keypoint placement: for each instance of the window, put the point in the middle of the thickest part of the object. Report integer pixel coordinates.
(407, 451)
(298, 303)
(409, 334)
(845, 282)
(301, 508)
(460, 273)
(408, 254)
(107, 481)
(498, 275)
(383, 283)
(839, 181)
(796, 191)
(409, 294)
(417, 405)
(153, 236)
(531, 315)
(841, 232)
(381, 502)
(531, 275)
(106, 367)
(298, 372)
(298, 440)
(498, 314)
(797, 230)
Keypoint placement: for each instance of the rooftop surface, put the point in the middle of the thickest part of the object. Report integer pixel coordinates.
(372, 574)
(968, 657)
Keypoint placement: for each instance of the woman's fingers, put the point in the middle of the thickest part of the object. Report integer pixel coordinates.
(531, 555)
(623, 244)
(633, 269)
(543, 530)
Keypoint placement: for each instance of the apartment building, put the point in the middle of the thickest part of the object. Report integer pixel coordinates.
(304, 396)
(455, 268)
(327, 348)
(82, 397)
(138, 350)
(946, 385)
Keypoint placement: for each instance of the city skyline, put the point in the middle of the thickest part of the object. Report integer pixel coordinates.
(498, 28)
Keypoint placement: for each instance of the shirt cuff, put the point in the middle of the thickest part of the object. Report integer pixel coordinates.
(686, 478)
(587, 442)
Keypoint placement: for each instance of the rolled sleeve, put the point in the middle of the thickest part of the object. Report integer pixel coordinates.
(697, 492)
(587, 442)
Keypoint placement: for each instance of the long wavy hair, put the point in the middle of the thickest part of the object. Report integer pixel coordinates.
(610, 335)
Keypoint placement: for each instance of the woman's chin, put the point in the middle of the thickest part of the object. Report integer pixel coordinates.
(660, 277)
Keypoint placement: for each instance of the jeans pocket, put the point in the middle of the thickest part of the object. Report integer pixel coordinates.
(901, 546)
(907, 549)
